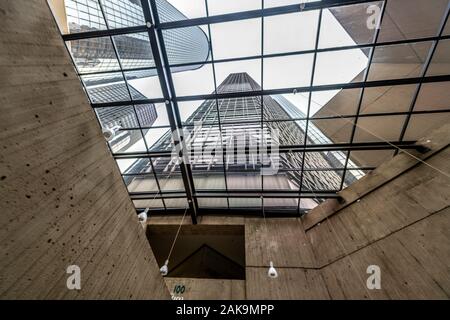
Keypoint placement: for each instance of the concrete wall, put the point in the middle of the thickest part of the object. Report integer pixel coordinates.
(396, 217)
(62, 200)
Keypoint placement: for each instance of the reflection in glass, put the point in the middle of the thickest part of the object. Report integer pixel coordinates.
(440, 64)
(399, 61)
(93, 55)
(348, 25)
(134, 50)
(108, 87)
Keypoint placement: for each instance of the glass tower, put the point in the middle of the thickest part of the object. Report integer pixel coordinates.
(219, 126)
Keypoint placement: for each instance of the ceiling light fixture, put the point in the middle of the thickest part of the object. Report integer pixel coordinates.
(143, 215)
(109, 133)
(272, 273)
(164, 269)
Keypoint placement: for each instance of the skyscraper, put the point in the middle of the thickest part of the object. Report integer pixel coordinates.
(112, 55)
(214, 127)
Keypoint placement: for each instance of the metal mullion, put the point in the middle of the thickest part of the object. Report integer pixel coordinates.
(424, 72)
(125, 103)
(145, 127)
(217, 105)
(318, 88)
(311, 51)
(361, 94)
(150, 158)
(313, 71)
(129, 93)
(262, 106)
(173, 113)
(103, 33)
(115, 71)
(257, 13)
(301, 148)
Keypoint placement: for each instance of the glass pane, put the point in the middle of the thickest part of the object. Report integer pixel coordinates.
(421, 125)
(134, 165)
(168, 174)
(176, 203)
(208, 179)
(212, 202)
(282, 180)
(325, 160)
(238, 76)
(370, 130)
(334, 103)
(433, 96)
(236, 39)
(245, 202)
(440, 64)
(329, 131)
(352, 176)
(123, 13)
(141, 183)
(287, 72)
(144, 84)
(148, 203)
(187, 45)
(158, 139)
(147, 114)
(388, 99)
(290, 32)
(174, 10)
(122, 116)
(93, 55)
(78, 15)
(134, 50)
(194, 82)
(289, 133)
(308, 203)
(281, 3)
(446, 31)
(348, 25)
(198, 110)
(108, 87)
(322, 180)
(399, 61)
(341, 66)
(127, 141)
(369, 158)
(281, 203)
(410, 19)
(243, 109)
(286, 106)
(153, 115)
(240, 178)
(217, 7)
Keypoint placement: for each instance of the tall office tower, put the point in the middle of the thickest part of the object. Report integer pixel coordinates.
(236, 120)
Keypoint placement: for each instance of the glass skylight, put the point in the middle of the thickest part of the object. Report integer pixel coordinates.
(334, 93)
